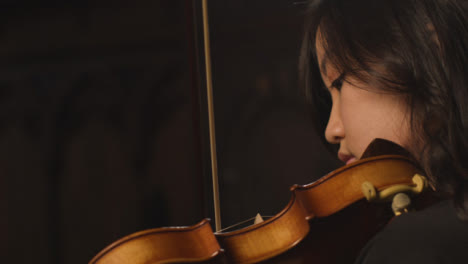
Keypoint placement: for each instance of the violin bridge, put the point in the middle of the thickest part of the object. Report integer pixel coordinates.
(258, 219)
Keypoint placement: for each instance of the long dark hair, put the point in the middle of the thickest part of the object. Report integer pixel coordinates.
(414, 48)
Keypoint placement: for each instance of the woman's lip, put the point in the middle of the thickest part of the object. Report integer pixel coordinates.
(346, 158)
(351, 160)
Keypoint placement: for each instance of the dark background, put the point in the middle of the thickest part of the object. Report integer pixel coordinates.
(103, 123)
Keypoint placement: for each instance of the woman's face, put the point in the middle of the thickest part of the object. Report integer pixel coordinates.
(360, 113)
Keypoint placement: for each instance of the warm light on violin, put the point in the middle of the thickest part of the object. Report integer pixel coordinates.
(329, 214)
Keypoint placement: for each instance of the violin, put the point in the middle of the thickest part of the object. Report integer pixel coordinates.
(327, 221)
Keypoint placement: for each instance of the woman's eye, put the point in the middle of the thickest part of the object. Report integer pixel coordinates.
(338, 82)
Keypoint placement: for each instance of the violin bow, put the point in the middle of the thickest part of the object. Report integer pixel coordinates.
(211, 124)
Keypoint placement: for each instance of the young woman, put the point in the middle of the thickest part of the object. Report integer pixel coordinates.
(398, 70)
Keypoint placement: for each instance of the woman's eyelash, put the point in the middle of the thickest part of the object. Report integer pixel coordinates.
(338, 82)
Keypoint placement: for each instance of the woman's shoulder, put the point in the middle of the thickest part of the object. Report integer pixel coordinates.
(432, 235)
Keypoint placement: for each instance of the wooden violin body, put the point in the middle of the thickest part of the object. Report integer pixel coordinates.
(163, 245)
(328, 221)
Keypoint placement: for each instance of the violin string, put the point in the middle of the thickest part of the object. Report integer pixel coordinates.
(211, 125)
(243, 222)
(236, 224)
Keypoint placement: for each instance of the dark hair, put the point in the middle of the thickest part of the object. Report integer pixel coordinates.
(414, 48)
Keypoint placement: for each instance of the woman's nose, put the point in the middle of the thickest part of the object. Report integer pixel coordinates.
(334, 132)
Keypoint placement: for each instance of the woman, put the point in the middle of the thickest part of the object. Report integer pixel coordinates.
(398, 70)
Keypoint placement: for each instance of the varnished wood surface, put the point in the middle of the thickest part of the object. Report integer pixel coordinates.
(316, 201)
(162, 245)
(325, 222)
(342, 187)
(267, 239)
